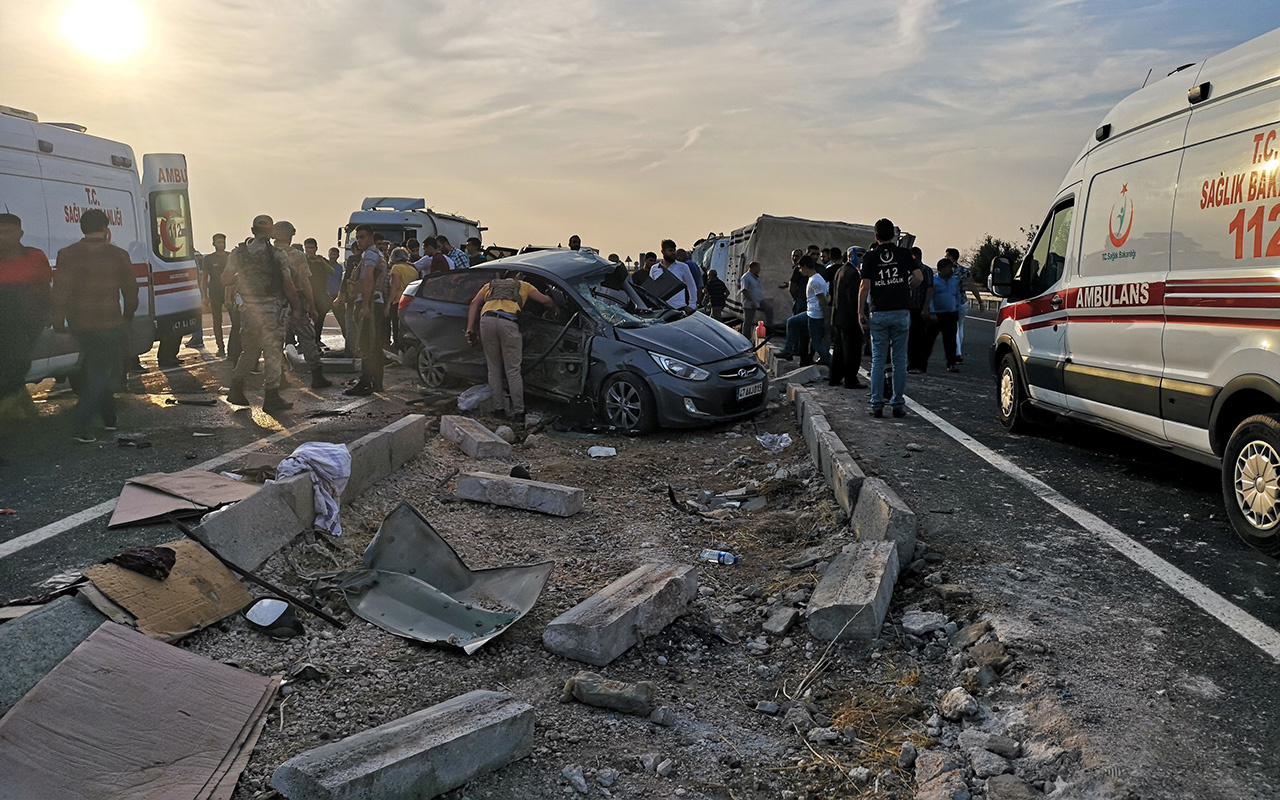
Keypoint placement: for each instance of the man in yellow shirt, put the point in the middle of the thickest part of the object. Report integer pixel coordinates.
(496, 307)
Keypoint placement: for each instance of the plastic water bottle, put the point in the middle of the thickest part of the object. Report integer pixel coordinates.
(719, 557)
(761, 331)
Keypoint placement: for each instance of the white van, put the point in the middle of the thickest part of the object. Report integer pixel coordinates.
(1149, 304)
(51, 173)
(402, 218)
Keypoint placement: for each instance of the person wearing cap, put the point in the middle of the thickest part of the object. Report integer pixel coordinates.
(95, 293)
(303, 324)
(494, 310)
(24, 313)
(846, 330)
(259, 273)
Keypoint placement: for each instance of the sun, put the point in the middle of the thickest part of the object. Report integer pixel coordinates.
(108, 30)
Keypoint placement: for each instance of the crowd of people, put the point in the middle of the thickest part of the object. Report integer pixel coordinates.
(882, 301)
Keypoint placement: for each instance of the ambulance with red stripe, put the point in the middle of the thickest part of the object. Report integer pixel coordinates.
(1149, 304)
(51, 173)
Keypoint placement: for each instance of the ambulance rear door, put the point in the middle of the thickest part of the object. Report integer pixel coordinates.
(174, 274)
(1223, 294)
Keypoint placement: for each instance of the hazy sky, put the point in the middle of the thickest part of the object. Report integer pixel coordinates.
(625, 122)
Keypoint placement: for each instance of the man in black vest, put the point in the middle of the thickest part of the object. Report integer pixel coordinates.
(889, 273)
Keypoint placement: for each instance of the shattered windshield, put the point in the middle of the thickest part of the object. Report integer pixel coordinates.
(618, 302)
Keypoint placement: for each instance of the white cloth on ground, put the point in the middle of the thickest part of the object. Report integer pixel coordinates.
(330, 468)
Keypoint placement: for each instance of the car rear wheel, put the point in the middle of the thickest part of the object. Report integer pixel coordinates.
(1251, 482)
(627, 403)
(430, 371)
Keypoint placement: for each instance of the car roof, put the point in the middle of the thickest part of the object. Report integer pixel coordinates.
(563, 264)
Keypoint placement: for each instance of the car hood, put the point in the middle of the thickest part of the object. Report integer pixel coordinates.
(697, 339)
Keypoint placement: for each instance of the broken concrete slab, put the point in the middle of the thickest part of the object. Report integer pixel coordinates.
(780, 621)
(251, 531)
(853, 596)
(881, 515)
(370, 463)
(503, 490)
(830, 448)
(32, 645)
(596, 690)
(408, 436)
(424, 754)
(801, 376)
(473, 438)
(814, 424)
(637, 605)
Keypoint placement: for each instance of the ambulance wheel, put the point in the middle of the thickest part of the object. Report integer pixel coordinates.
(1011, 394)
(430, 371)
(627, 403)
(1251, 482)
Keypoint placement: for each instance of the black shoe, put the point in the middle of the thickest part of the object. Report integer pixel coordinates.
(273, 402)
(878, 413)
(899, 412)
(952, 368)
(236, 395)
(361, 389)
(959, 359)
(784, 356)
(855, 385)
(318, 380)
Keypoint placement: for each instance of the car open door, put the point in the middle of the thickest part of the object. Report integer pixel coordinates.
(557, 345)
(441, 320)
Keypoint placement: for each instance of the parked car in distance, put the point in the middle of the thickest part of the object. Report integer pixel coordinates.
(638, 363)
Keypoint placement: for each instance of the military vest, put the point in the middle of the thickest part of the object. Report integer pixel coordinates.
(260, 273)
(505, 289)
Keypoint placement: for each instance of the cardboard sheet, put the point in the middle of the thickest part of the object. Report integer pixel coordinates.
(148, 498)
(198, 592)
(127, 716)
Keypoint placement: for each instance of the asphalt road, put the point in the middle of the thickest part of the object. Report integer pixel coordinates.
(45, 476)
(1176, 702)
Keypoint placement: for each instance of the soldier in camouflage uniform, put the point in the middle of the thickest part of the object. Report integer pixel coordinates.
(260, 274)
(302, 325)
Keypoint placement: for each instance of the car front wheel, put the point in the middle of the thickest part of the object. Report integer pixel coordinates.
(627, 403)
(1251, 482)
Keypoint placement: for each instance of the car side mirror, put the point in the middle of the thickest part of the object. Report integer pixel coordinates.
(1000, 281)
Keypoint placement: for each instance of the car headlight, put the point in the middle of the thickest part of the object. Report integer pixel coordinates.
(678, 368)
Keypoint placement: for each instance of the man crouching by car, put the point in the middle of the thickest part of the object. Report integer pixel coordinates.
(496, 307)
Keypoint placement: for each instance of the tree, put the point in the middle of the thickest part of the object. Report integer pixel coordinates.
(988, 249)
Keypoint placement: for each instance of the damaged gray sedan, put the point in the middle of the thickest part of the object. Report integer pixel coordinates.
(608, 347)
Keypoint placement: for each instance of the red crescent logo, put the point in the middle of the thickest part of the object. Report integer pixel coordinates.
(172, 231)
(1118, 241)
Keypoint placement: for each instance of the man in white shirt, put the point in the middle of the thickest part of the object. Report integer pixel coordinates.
(753, 299)
(813, 320)
(686, 300)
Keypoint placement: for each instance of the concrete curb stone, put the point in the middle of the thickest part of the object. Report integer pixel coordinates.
(370, 463)
(408, 437)
(503, 490)
(424, 754)
(881, 515)
(473, 438)
(854, 593)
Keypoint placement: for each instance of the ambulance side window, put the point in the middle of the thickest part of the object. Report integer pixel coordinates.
(1045, 263)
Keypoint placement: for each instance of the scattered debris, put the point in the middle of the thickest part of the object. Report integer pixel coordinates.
(275, 618)
(477, 398)
(330, 468)
(601, 452)
(153, 562)
(193, 739)
(503, 490)
(153, 497)
(774, 442)
(414, 585)
(595, 690)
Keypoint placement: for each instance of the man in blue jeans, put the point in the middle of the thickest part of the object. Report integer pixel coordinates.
(808, 328)
(889, 272)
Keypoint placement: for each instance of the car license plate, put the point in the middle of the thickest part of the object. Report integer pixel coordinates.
(750, 391)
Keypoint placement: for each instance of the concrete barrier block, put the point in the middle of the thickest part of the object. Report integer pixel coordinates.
(639, 604)
(802, 376)
(473, 438)
(847, 481)
(370, 463)
(422, 755)
(813, 424)
(830, 447)
(33, 644)
(299, 492)
(853, 596)
(503, 490)
(801, 398)
(408, 436)
(252, 530)
(880, 515)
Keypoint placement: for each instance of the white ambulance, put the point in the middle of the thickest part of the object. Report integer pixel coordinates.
(1150, 302)
(51, 173)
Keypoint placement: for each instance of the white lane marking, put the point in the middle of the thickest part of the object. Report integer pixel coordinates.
(104, 508)
(1215, 605)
